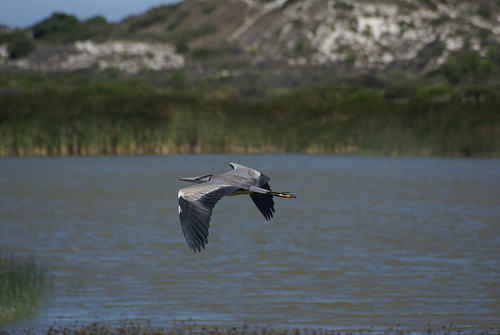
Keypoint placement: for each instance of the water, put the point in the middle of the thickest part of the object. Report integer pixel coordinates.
(369, 242)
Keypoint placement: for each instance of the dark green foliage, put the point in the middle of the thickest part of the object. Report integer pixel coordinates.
(484, 35)
(18, 43)
(96, 28)
(64, 28)
(468, 65)
(475, 64)
(401, 91)
(57, 24)
(433, 92)
(351, 58)
(365, 96)
(202, 53)
(451, 69)
(178, 79)
(494, 54)
(98, 20)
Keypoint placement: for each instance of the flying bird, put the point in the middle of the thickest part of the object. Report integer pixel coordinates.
(197, 202)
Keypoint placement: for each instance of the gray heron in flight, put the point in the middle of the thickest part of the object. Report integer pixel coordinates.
(196, 202)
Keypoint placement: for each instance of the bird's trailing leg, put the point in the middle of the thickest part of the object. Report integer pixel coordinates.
(255, 189)
(282, 194)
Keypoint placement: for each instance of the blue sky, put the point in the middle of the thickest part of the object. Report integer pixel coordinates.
(25, 13)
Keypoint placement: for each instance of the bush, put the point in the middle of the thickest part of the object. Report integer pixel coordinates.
(434, 92)
(58, 23)
(451, 69)
(401, 91)
(18, 43)
(465, 65)
(475, 64)
(364, 96)
(94, 28)
(202, 53)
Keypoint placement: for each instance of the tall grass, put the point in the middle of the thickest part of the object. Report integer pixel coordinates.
(95, 122)
(23, 285)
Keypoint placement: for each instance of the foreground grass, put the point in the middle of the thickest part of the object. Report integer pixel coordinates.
(130, 328)
(113, 117)
(23, 284)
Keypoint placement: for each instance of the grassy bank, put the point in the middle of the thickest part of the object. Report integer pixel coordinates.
(23, 284)
(118, 118)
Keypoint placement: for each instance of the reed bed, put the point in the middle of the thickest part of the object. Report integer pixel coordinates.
(23, 285)
(131, 328)
(118, 123)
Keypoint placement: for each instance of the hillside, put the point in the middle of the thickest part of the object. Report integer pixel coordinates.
(419, 36)
(410, 78)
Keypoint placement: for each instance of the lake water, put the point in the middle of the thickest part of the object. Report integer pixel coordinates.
(369, 242)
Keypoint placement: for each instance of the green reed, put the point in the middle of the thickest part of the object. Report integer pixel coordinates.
(149, 122)
(23, 285)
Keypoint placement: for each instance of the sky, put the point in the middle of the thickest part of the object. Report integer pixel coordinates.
(25, 13)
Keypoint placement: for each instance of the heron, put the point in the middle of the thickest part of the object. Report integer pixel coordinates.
(197, 202)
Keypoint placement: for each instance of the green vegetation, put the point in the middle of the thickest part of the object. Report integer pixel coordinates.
(57, 24)
(467, 65)
(84, 115)
(19, 44)
(61, 28)
(23, 285)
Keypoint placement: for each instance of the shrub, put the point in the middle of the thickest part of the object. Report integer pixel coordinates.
(202, 53)
(364, 96)
(401, 91)
(18, 43)
(474, 63)
(451, 69)
(434, 92)
(58, 23)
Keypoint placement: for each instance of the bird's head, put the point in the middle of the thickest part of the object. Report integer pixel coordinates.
(197, 180)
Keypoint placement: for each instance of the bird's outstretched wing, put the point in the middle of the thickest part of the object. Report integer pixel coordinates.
(264, 202)
(195, 209)
(254, 177)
